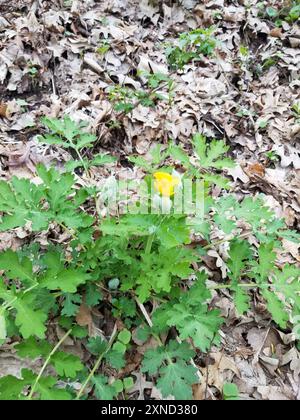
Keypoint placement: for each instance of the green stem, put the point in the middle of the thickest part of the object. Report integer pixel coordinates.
(47, 361)
(149, 244)
(97, 364)
(83, 163)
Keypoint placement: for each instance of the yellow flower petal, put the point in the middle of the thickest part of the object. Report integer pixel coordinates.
(165, 183)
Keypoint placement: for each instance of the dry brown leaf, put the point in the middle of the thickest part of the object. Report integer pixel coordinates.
(275, 393)
(3, 110)
(256, 169)
(216, 373)
(276, 33)
(84, 316)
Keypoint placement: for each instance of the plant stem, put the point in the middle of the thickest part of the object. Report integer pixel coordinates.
(98, 363)
(67, 230)
(83, 163)
(149, 244)
(47, 361)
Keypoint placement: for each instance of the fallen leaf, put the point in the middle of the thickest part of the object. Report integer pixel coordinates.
(256, 169)
(3, 110)
(84, 316)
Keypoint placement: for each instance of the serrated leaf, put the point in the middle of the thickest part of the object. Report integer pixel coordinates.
(66, 280)
(230, 392)
(16, 269)
(178, 154)
(267, 258)
(173, 232)
(170, 362)
(66, 364)
(241, 299)
(93, 295)
(177, 379)
(48, 392)
(96, 345)
(71, 304)
(115, 358)
(101, 159)
(239, 257)
(20, 201)
(211, 156)
(139, 161)
(240, 253)
(191, 316)
(29, 321)
(103, 390)
(32, 348)
(218, 180)
(276, 308)
(11, 387)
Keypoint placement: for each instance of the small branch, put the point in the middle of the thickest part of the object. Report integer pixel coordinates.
(47, 361)
(144, 312)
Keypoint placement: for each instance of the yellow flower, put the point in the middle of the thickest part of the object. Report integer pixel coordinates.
(165, 183)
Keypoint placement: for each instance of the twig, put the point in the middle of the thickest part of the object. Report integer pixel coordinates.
(144, 312)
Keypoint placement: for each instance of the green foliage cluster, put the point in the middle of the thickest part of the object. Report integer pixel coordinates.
(129, 262)
(131, 266)
(125, 99)
(192, 45)
(289, 12)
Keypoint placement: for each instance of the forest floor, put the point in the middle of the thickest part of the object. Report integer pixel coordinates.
(61, 57)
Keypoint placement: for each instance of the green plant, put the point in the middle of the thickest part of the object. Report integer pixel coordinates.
(289, 13)
(103, 48)
(244, 51)
(127, 265)
(209, 160)
(126, 99)
(70, 135)
(191, 46)
(230, 392)
(32, 70)
(296, 110)
(293, 13)
(272, 156)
